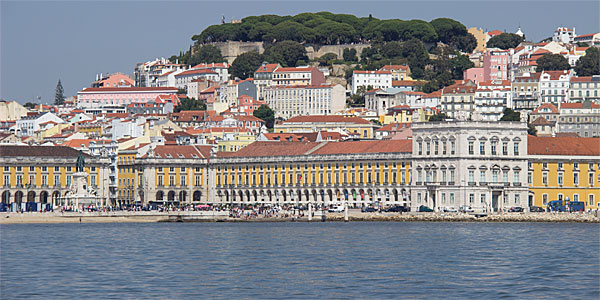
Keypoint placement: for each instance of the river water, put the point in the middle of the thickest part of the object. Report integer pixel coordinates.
(332, 260)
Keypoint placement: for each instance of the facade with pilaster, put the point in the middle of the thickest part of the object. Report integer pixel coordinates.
(297, 173)
(38, 178)
(463, 163)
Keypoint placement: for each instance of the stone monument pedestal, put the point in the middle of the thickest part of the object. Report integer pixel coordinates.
(80, 192)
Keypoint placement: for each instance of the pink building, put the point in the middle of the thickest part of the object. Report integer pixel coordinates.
(247, 105)
(114, 80)
(99, 97)
(473, 74)
(495, 65)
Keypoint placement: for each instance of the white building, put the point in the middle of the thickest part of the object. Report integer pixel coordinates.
(564, 35)
(458, 100)
(27, 126)
(379, 100)
(183, 79)
(298, 76)
(478, 164)
(222, 69)
(374, 79)
(290, 101)
(554, 86)
(490, 103)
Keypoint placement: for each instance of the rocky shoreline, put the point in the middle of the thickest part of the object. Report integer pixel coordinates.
(137, 217)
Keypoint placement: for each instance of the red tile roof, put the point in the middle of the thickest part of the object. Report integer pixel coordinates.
(394, 67)
(551, 106)
(357, 147)
(564, 146)
(555, 75)
(407, 82)
(582, 79)
(283, 148)
(578, 105)
(267, 68)
(394, 127)
(326, 119)
(129, 89)
(211, 65)
(294, 69)
(195, 72)
(372, 72)
(541, 121)
(181, 151)
(494, 32)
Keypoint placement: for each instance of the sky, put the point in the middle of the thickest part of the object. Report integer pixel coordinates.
(42, 42)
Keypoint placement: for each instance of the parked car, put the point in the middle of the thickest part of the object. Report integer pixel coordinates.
(450, 209)
(516, 209)
(336, 209)
(369, 209)
(466, 209)
(397, 208)
(424, 208)
(536, 209)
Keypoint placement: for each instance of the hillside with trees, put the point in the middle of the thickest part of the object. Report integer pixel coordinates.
(325, 28)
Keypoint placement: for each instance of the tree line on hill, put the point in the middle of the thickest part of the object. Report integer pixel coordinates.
(325, 28)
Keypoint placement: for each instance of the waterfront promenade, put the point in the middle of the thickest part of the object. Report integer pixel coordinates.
(248, 216)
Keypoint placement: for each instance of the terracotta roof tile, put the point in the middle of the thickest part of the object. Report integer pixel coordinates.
(379, 146)
(564, 146)
(326, 119)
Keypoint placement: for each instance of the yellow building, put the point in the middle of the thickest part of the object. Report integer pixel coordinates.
(126, 176)
(173, 175)
(399, 72)
(481, 38)
(296, 173)
(564, 167)
(353, 126)
(237, 142)
(36, 178)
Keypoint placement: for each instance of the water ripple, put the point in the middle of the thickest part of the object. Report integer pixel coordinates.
(300, 260)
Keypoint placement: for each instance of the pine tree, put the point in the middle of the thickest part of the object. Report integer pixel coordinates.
(59, 97)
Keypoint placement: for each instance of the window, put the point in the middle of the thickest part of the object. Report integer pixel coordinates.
(505, 148)
(529, 178)
(451, 198)
(545, 178)
(471, 198)
(560, 166)
(517, 199)
(544, 199)
(31, 169)
(591, 199)
(471, 176)
(494, 147)
(591, 179)
(452, 176)
(544, 165)
(160, 180)
(418, 197)
(575, 178)
(443, 198)
(452, 147)
(443, 147)
(482, 176)
(482, 198)
(576, 197)
(516, 177)
(420, 148)
(435, 147)
(516, 148)
(560, 178)
(505, 176)
(197, 181)
(471, 148)
(482, 148)
(56, 180)
(172, 180)
(575, 165)
(183, 183)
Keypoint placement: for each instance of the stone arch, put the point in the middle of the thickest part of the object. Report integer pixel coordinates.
(183, 196)
(171, 196)
(44, 197)
(6, 197)
(31, 196)
(160, 195)
(196, 196)
(55, 197)
(18, 197)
